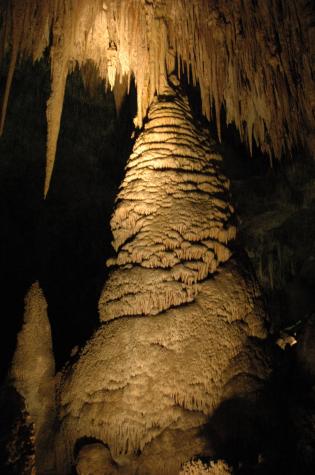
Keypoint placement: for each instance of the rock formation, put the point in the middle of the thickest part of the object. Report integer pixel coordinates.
(198, 468)
(33, 373)
(180, 319)
(252, 58)
(182, 324)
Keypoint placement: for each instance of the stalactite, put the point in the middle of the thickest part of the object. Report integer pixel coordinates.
(17, 30)
(252, 58)
(53, 112)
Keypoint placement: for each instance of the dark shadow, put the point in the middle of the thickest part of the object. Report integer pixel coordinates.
(22, 151)
(89, 441)
(271, 432)
(16, 447)
(238, 431)
(93, 148)
(64, 241)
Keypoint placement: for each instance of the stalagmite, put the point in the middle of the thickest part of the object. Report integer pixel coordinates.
(180, 321)
(254, 59)
(182, 324)
(169, 222)
(32, 375)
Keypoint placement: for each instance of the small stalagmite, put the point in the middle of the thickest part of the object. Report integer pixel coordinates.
(33, 375)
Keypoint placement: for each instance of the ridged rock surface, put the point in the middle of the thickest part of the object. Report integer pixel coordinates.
(172, 221)
(255, 59)
(180, 320)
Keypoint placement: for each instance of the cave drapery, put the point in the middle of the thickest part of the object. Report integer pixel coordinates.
(252, 58)
(254, 61)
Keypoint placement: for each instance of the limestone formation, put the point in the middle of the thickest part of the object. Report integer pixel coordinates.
(173, 220)
(252, 58)
(180, 322)
(91, 460)
(32, 375)
(199, 468)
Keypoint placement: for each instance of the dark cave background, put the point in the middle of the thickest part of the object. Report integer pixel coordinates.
(64, 241)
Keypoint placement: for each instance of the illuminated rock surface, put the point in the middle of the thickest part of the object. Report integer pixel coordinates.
(254, 58)
(92, 459)
(33, 373)
(198, 468)
(181, 322)
(180, 325)
(173, 219)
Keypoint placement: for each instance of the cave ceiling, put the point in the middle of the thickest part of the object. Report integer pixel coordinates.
(253, 58)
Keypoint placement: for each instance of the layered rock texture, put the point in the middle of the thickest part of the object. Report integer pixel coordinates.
(182, 325)
(33, 376)
(180, 322)
(173, 220)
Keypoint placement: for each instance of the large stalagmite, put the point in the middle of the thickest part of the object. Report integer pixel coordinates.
(180, 321)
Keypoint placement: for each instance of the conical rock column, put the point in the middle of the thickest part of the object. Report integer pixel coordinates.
(33, 375)
(179, 317)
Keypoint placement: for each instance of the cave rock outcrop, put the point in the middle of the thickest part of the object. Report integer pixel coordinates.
(181, 320)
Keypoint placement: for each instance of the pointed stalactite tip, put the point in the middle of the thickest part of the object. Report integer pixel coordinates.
(48, 175)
